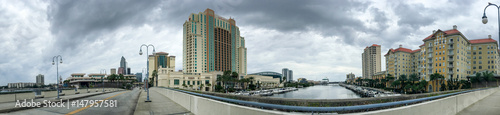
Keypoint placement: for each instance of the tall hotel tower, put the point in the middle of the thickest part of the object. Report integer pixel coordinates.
(371, 60)
(213, 43)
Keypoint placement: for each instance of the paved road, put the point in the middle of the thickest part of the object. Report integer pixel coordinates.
(126, 102)
(487, 106)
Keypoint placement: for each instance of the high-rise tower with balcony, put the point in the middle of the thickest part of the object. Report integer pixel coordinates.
(212, 43)
(371, 60)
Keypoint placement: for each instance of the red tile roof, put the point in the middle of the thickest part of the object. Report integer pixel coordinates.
(403, 50)
(421, 45)
(415, 50)
(452, 31)
(375, 45)
(487, 40)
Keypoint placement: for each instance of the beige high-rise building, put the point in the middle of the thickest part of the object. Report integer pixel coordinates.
(484, 55)
(371, 60)
(159, 60)
(212, 43)
(40, 80)
(401, 61)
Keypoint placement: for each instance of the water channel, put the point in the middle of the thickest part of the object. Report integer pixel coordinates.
(330, 91)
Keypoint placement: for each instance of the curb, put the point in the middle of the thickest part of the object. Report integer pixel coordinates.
(8, 110)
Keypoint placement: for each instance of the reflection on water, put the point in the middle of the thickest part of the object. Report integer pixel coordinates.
(331, 91)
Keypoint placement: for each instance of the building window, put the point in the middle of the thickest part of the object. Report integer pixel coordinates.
(176, 82)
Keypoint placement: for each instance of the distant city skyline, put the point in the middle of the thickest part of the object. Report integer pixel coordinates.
(317, 38)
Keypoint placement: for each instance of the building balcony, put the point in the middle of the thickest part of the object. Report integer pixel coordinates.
(430, 67)
(450, 43)
(429, 61)
(430, 56)
(430, 46)
(450, 65)
(429, 51)
(451, 53)
(450, 48)
(450, 59)
(450, 72)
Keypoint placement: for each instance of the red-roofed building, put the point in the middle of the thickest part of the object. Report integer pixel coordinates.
(448, 53)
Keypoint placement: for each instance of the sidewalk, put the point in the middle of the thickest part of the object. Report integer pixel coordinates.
(159, 104)
(10, 106)
(486, 106)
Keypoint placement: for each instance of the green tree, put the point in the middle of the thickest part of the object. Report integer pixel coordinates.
(403, 78)
(434, 77)
(359, 81)
(395, 83)
(413, 78)
(389, 78)
(465, 84)
(488, 76)
(184, 85)
(155, 78)
(202, 87)
(421, 86)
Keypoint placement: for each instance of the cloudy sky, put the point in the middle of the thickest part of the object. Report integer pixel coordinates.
(316, 39)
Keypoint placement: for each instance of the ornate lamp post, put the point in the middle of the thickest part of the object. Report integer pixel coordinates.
(147, 63)
(102, 79)
(485, 19)
(56, 60)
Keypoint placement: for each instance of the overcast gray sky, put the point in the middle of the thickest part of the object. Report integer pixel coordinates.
(314, 38)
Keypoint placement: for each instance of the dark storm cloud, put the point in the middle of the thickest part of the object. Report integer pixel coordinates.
(413, 15)
(77, 22)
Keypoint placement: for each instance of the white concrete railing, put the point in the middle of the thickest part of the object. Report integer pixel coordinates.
(445, 106)
(205, 106)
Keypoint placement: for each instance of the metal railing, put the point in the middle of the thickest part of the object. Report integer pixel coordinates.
(324, 109)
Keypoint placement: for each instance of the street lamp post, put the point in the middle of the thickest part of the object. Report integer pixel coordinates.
(102, 79)
(56, 60)
(147, 64)
(485, 19)
(142, 77)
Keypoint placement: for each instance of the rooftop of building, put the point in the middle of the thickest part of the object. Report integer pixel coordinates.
(447, 32)
(485, 40)
(73, 74)
(402, 50)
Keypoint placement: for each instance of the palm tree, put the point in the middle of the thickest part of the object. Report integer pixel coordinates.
(436, 76)
(359, 81)
(121, 77)
(395, 83)
(383, 82)
(421, 85)
(389, 78)
(202, 87)
(155, 78)
(488, 76)
(209, 85)
(402, 78)
(112, 77)
(413, 78)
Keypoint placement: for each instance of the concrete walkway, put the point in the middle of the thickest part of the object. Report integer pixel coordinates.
(160, 104)
(489, 105)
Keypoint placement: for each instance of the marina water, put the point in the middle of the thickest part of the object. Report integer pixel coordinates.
(330, 91)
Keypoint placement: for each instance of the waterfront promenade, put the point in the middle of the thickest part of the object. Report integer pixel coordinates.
(159, 104)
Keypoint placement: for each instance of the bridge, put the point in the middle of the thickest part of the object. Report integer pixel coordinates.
(175, 101)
